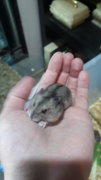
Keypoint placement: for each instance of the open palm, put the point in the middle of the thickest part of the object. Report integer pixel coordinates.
(58, 152)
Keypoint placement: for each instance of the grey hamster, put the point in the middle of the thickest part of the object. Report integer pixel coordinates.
(49, 104)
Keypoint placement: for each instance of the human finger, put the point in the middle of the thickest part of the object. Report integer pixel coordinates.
(76, 67)
(81, 99)
(53, 71)
(67, 60)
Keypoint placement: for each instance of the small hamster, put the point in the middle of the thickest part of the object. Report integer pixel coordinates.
(48, 105)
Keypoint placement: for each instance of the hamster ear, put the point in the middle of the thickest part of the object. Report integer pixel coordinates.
(41, 91)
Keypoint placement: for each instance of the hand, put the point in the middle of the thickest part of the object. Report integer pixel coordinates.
(59, 152)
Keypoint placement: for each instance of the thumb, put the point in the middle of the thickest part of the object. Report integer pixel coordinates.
(19, 94)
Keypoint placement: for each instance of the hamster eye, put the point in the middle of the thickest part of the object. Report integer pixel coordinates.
(44, 111)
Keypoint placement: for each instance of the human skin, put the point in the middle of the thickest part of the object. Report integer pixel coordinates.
(60, 152)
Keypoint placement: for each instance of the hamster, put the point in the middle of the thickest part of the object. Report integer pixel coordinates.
(48, 105)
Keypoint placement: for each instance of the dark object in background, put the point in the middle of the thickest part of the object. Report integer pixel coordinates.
(11, 31)
(3, 39)
(1, 176)
(97, 136)
(83, 39)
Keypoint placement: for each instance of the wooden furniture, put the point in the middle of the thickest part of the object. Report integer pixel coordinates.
(84, 40)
